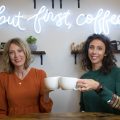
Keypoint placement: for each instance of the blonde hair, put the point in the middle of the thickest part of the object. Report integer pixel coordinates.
(7, 65)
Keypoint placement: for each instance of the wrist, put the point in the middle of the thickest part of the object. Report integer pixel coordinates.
(46, 97)
(99, 88)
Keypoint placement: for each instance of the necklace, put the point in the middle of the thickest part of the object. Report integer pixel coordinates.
(19, 83)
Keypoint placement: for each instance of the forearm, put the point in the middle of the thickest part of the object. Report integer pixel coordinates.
(45, 103)
(107, 95)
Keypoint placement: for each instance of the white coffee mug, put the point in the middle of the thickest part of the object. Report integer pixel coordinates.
(52, 83)
(68, 83)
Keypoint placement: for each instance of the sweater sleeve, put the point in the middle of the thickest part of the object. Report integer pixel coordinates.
(113, 99)
(105, 94)
(3, 99)
(45, 101)
(82, 107)
(45, 106)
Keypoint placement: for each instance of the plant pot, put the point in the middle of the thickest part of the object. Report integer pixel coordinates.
(33, 47)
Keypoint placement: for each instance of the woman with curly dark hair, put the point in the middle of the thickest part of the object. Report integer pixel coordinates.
(100, 86)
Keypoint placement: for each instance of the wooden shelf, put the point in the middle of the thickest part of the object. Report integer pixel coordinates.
(116, 51)
(41, 53)
(75, 53)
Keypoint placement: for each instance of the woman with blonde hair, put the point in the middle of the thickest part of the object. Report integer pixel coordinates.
(22, 89)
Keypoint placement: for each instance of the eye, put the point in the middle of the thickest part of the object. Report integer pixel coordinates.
(91, 47)
(11, 52)
(20, 50)
(100, 48)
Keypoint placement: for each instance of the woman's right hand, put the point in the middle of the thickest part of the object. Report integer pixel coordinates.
(87, 84)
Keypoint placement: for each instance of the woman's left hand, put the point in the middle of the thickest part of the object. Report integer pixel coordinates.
(87, 84)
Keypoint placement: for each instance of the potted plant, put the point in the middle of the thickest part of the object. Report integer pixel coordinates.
(32, 43)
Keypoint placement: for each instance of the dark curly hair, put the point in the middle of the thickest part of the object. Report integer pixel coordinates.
(108, 61)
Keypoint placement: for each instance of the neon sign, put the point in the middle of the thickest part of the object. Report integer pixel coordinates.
(14, 21)
(44, 15)
(101, 21)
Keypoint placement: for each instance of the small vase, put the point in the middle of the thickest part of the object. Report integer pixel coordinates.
(33, 47)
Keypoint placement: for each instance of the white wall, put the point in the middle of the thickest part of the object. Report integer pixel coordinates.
(56, 41)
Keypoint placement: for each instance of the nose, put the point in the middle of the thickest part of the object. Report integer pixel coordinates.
(16, 54)
(95, 50)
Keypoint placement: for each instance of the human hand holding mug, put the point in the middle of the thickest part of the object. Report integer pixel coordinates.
(87, 84)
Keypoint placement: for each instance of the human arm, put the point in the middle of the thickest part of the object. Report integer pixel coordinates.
(3, 99)
(45, 101)
(114, 101)
(110, 97)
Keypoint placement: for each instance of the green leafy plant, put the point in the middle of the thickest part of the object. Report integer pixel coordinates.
(31, 40)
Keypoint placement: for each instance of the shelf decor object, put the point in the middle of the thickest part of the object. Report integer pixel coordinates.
(75, 50)
(41, 53)
(2, 44)
(31, 40)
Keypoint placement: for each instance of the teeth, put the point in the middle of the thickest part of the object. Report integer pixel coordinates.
(17, 60)
(94, 57)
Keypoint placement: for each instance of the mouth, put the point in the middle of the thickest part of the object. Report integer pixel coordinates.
(17, 61)
(94, 57)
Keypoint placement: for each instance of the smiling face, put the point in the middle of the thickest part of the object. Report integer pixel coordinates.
(17, 56)
(96, 53)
